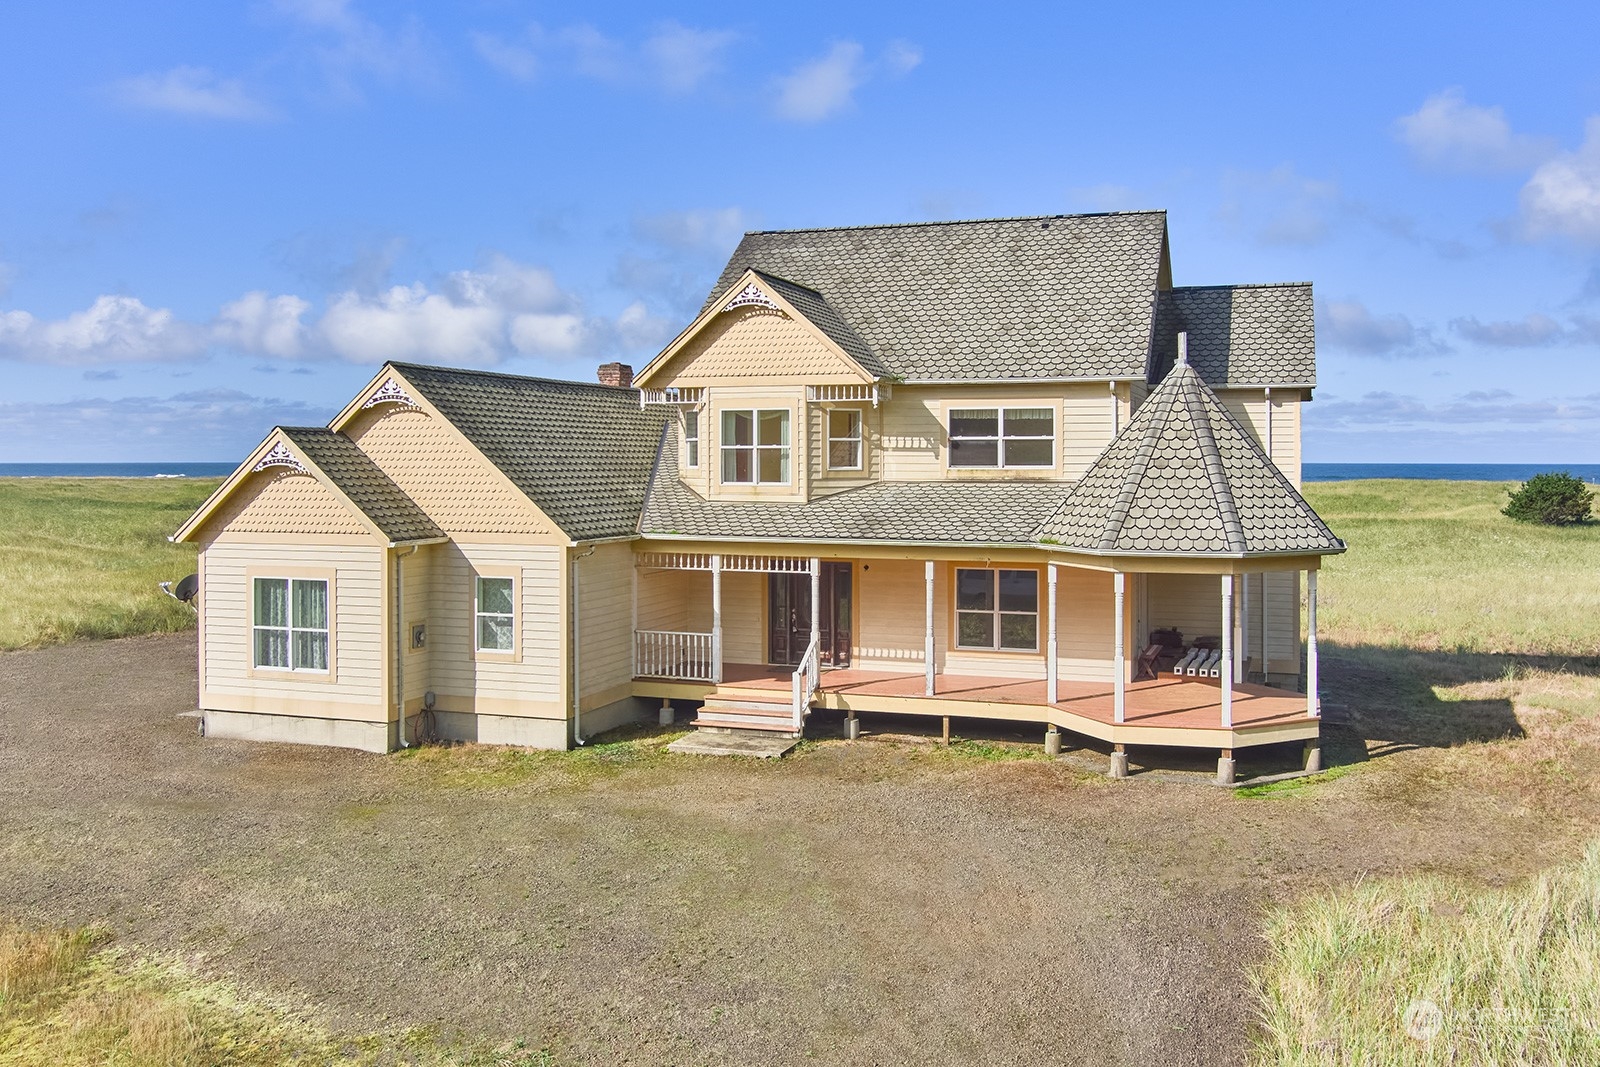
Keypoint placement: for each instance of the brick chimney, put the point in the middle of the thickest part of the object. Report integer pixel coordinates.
(617, 374)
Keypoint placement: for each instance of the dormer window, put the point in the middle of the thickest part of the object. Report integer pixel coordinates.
(691, 439)
(755, 447)
(844, 439)
(1002, 437)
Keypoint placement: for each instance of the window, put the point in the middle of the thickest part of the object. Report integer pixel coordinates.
(496, 615)
(844, 440)
(691, 439)
(291, 624)
(1002, 437)
(755, 447)
(997, 609)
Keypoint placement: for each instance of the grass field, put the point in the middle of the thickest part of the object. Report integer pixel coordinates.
(80, 557)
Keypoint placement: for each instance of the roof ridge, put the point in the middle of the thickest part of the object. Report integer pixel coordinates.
(1117, 514)
(1242, 285)
(1199, 414)
(477, 373)
(961, 222)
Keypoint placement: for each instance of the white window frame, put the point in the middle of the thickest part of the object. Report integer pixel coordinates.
(691, 439)
(859, 438)
(290, 629)
(756, 448)
(995, 610)
(478, 614)
(1000, 438)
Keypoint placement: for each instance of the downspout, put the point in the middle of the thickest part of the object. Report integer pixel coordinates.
(577, 653)
(399, 643)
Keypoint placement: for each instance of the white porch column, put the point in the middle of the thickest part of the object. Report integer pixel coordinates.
(927, 636)
(1266, 634)
(716, 617)
(816, 605)
(1050, 666)
(1227, 650)
(1119, 682)
(633, 638)
(1242, 657)
(1313, 699)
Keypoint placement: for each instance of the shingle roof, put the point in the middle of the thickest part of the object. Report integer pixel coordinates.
(1240, 335)
(815, 307)
(1185, 478)
(1043, 297)
(360, 479)
(582, 452)
(979, 513)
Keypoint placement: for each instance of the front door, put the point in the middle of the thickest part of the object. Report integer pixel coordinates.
(789, 616)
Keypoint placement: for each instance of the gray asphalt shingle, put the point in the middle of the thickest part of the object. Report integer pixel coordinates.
(363, 482)
(1240, 335)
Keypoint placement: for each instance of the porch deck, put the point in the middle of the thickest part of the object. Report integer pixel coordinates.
(1183, 712)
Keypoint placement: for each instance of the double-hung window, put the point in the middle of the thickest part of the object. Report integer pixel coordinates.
(997, 609)
(691, 439)
(291, 624)
(844, 439)
(755, 447)
(495, 614)
(1002, 437)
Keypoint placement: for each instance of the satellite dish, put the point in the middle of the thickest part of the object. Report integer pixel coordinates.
(187, 588)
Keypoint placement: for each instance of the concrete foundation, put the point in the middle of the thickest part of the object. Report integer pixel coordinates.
(299, 730)
(1225, 771)
(1119, 765)
(1313, 757)
(620, 713)
(666, 715)
(852, 728)
(1052, 742)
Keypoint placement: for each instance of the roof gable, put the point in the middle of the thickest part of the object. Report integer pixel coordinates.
(1240, 335)
(1043, 297)
(1186, 478)
(788, 328)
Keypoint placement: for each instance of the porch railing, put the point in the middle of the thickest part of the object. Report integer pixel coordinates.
(676, 654)
(804, 682)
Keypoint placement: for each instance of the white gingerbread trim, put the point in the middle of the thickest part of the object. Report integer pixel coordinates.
(389, 392)
(279, 456)
(751, 294)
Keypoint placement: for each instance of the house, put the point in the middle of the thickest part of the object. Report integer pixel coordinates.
(994, 469)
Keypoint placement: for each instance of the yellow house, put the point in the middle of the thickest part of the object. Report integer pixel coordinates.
(996, 469)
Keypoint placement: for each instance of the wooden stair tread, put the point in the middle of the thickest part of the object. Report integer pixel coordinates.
(786, 726)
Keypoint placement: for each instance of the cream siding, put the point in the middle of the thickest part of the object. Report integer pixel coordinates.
(744, 616)
(753, 345)
(790, 398)
(605, 622)
(416, 603)
(891, 606)
(1193, 604)
(278, 500)
(825, 480)
(354, 689)
(434, 466)
(1087, 423)
(532, 682)
(1249, 406)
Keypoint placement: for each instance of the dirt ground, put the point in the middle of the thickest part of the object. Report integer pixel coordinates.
(853, 903)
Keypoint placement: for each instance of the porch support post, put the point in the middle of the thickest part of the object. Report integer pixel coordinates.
(1119, 682)
(1241, 670)
(1313, 701)
(816, 605)
(1050, 666)
(1265, 633)
(1227, 650)
(716, 618)
(927, 637)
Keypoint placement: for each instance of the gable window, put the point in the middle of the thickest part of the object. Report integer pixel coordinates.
(691, 439)
(844, 439)
(496, 619)
(291, 624)
(1002, 437)
(755, 447)
(997, 609)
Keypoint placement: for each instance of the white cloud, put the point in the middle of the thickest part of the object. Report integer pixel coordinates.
(1531, 331)
(1480, 409)
(410, 322)
(826, 86)
(114, 329)
(1347, 324)
(260, 323)
(1448, 133)
(640, 331)
(685, 57)
(516, 61)
(348, 46)
(1280, 206)
(193, 91)
(714, 230)
(1562, 197)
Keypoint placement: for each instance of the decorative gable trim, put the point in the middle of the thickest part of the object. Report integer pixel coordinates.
(751, 295)
(280, 456)
(390, 392)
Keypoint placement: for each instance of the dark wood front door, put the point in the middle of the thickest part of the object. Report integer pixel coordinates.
(789, 616)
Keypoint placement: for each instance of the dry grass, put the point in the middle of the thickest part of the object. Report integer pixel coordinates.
(1428, 970)
(68, 999)
(80, 557)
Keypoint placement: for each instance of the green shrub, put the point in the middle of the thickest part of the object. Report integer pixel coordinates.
(1555, 499)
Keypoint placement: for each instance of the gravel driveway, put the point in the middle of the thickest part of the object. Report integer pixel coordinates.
(853, 903)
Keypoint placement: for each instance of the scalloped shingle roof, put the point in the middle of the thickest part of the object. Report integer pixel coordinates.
(1240, 335)
(363, 482)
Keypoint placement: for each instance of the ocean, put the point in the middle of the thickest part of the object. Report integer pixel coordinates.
(1312, 472)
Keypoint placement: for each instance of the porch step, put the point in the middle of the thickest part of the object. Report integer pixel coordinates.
(725, 715)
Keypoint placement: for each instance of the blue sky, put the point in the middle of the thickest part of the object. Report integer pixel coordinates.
(217, 217)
